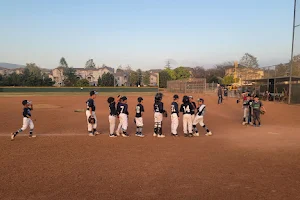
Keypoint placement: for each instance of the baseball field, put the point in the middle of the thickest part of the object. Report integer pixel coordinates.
(237, 162)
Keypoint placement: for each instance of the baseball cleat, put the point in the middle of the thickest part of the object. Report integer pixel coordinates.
(125, 135)
(244, 123)
(154, 134)
(161, 136)
(112, 135)
(12, 136)
(209, 134)
(32, 136)
(96, 133)
(141, 135)
(196, 134)
(117, 133)
(186, 135)
(91, 134)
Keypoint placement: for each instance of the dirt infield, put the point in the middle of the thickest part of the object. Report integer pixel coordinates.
(237, 162)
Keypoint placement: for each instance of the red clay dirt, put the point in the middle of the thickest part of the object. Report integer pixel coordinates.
(237, 162)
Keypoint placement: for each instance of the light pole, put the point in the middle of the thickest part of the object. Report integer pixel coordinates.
(292, 53)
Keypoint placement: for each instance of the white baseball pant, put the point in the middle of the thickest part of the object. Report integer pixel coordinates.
(158, 117)
(198, 120)
(187, 123)
(174, 123)
(112, 124)
(246, 113)
(139, 122)
(123, 121)
(91, 126)
(27, 122)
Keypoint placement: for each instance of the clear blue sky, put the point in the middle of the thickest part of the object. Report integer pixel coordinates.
(144, 33)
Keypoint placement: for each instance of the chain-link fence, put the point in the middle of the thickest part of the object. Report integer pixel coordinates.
(187, 86)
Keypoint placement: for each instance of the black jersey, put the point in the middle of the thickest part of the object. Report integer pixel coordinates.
(174, 108)
(26, 112)
(194, 108)
(112, 109)
(187, 108)
(90, 104)
(139, 109)
(158, 107)
(122, 108)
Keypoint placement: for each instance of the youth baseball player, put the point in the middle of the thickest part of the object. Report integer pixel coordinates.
(194, 109)
(199, 118)
(27, 121)
(246, 108)
(139, 109)
(91, 114)
(112, 116)
(220, 95)
(257, 107)
(118, 131)
(158, 115)
(187, 109)
(174, 115)
(122, 110)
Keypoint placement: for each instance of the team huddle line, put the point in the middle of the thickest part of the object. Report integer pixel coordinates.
(118, 109)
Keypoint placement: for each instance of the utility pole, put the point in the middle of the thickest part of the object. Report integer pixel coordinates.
(292, 53)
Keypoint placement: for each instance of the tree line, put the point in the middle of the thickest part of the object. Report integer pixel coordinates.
(31, 76)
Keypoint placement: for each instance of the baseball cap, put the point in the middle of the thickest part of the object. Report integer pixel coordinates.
(123, 98)
(24, 102)
(190, 97)
(175, 96)
(93, 92)
(202, 100)
(140, 99)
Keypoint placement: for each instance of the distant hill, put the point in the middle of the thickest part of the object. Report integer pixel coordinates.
(10, 65)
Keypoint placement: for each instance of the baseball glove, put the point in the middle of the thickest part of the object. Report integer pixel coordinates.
(165, 114)
(92, 120)
(262, 112)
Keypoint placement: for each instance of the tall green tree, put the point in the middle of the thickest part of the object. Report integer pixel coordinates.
(133, 78)
(70, 76)
(146, 78)
(171, 73)
(107, 80)
(63, 62)
(90, 64)
(140, 76)
(182, 73)
(164, 77)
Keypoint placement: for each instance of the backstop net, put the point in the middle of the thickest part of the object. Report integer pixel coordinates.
(187, 86)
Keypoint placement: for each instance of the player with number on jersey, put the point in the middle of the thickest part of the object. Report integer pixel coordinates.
(158, 115)
(122, 110)
(112, 116)
(139, 109)
(187, 109)
(174, 115)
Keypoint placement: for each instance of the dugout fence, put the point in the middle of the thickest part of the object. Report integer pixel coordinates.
(187, 86)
